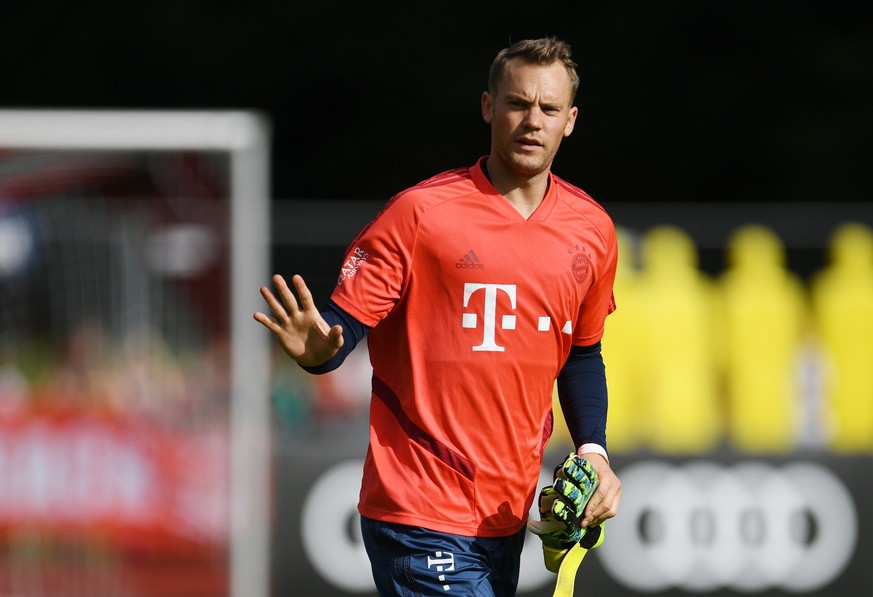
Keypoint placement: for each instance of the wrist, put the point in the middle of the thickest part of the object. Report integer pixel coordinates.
(593, 449)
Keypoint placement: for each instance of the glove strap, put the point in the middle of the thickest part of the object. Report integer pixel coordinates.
(569, 565)
(567, 572)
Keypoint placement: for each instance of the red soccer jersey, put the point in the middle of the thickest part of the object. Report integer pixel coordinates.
(473, 310)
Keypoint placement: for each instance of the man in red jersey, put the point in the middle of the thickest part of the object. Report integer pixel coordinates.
(478, 288)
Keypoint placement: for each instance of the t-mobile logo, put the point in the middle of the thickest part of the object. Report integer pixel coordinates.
(489, 317)
(444, 562)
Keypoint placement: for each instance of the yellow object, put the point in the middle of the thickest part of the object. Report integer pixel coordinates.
(554, 557)
(678, 407)
(566, 583)
(843, 306)
(764, 317)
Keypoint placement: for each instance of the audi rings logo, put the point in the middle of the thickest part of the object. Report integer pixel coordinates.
(747, 527)
(697, 527)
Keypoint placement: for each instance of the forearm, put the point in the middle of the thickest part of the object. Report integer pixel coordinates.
(583, 395)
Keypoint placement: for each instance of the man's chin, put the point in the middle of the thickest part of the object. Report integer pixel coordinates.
(528, 165)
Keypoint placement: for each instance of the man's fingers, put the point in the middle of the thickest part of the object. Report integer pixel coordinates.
(289, 307)
(275, 306)
(289, 302)
(602, 507)
(306, 302)
(596, 508)
(335, 335)
(266, 321)
(285, 307)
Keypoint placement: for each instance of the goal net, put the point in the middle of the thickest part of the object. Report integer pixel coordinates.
(134, 450)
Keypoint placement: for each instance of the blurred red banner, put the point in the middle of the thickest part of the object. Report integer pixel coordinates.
(129, 481)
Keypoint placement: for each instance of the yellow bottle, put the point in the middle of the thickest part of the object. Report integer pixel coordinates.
(675, 346)
(843, 306)
(764, 317)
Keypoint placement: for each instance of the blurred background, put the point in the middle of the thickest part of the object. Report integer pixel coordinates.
(731, 142)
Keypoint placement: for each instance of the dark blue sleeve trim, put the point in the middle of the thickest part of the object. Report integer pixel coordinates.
(353, 332)
(583, 395)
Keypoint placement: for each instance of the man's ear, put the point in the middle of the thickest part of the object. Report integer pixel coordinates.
(571, 121)
(487, 106)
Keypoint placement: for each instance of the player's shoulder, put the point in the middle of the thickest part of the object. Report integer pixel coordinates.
(578, 199)
(449, 178)
(584, 206)
(444, 185)
(433, 191)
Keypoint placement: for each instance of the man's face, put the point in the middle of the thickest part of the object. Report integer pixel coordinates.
(529, 114)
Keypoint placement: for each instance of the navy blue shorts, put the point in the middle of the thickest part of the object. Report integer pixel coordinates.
(412, 561)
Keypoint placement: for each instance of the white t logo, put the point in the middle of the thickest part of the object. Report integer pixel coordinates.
(507, 322)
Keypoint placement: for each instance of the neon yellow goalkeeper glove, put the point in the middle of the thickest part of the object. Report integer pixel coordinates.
(562, 507)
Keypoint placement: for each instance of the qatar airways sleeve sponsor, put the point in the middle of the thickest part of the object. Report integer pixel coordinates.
(352, 264)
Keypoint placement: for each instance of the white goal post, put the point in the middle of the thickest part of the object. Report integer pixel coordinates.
(245, 138)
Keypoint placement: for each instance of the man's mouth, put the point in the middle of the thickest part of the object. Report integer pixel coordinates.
(528, 143)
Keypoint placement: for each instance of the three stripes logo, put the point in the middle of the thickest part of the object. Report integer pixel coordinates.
(469, 261)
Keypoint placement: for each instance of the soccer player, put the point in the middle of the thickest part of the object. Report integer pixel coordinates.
(477, 288)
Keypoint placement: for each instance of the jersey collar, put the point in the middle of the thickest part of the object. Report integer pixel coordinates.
(483, 184)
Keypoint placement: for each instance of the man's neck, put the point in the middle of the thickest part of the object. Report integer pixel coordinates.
(524, 193)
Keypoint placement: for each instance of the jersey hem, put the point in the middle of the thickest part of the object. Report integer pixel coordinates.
(589, 340)
(438, 525)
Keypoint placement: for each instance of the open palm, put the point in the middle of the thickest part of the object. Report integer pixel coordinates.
(301, 330)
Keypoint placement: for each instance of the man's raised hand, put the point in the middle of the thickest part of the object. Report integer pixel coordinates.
(301, 330)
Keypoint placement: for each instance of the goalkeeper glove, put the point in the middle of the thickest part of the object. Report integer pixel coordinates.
(562, 507)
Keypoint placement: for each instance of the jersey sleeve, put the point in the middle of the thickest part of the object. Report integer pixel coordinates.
(599, 299)
(377, 263)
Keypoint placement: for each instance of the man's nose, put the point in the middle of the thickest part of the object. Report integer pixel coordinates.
(533, 118)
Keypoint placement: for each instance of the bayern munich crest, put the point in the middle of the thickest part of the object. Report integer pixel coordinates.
(580, 263)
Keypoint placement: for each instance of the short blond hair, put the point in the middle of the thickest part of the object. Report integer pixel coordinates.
(543, 51)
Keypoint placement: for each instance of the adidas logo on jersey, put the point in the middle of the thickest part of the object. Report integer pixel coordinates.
(469, 261)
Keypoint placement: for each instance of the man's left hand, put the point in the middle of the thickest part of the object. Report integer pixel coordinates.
(603, 505)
